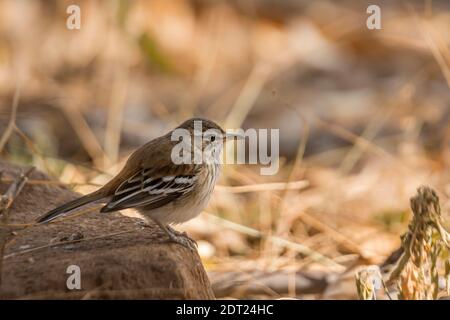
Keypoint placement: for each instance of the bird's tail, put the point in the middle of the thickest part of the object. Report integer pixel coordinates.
(65, 208)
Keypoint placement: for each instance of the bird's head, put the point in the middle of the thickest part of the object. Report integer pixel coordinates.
(207, 137)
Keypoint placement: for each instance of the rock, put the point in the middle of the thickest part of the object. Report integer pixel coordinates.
(117, 257)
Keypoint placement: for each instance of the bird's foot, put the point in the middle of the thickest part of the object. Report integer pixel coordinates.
(181, 238)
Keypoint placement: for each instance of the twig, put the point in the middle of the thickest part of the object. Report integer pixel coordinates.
(6, 202)
(114, 121)
(297, 163)
(50, 245)
(294, 185)
(337, 236)
(440, 53)
(53, 182)
(372, 129)
(12, 120)
(248, 95)
(33, 148)
(349, 136)
(368, 134)
(13, 191)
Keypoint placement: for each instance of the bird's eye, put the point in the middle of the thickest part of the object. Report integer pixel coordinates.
(212, 139)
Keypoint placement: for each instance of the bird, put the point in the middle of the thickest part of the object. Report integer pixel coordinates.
(158, 185)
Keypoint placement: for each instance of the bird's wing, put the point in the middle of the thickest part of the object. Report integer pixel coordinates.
(151, 189)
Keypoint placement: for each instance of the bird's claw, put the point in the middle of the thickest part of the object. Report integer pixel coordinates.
(185, 242)
(183, 239)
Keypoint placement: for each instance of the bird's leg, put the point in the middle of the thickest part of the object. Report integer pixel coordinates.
(178, 237)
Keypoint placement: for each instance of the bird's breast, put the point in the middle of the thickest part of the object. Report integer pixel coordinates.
(191, 205)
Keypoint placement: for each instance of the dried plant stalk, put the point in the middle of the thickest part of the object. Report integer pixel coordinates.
(447, 276)
(6, 201)
(424, 246)
(368, 281)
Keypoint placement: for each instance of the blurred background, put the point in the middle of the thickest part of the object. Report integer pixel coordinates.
(363, 118)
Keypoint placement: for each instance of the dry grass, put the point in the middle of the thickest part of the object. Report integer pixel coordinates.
(423, 254)
(363, 118)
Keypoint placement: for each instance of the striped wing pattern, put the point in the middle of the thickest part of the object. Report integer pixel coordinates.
(143, 190)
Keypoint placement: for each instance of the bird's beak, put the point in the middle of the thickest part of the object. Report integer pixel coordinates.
(234, 135)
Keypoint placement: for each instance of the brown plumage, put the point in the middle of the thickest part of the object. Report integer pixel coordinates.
(158, 188)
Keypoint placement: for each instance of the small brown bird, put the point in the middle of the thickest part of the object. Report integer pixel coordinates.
(161, 190)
